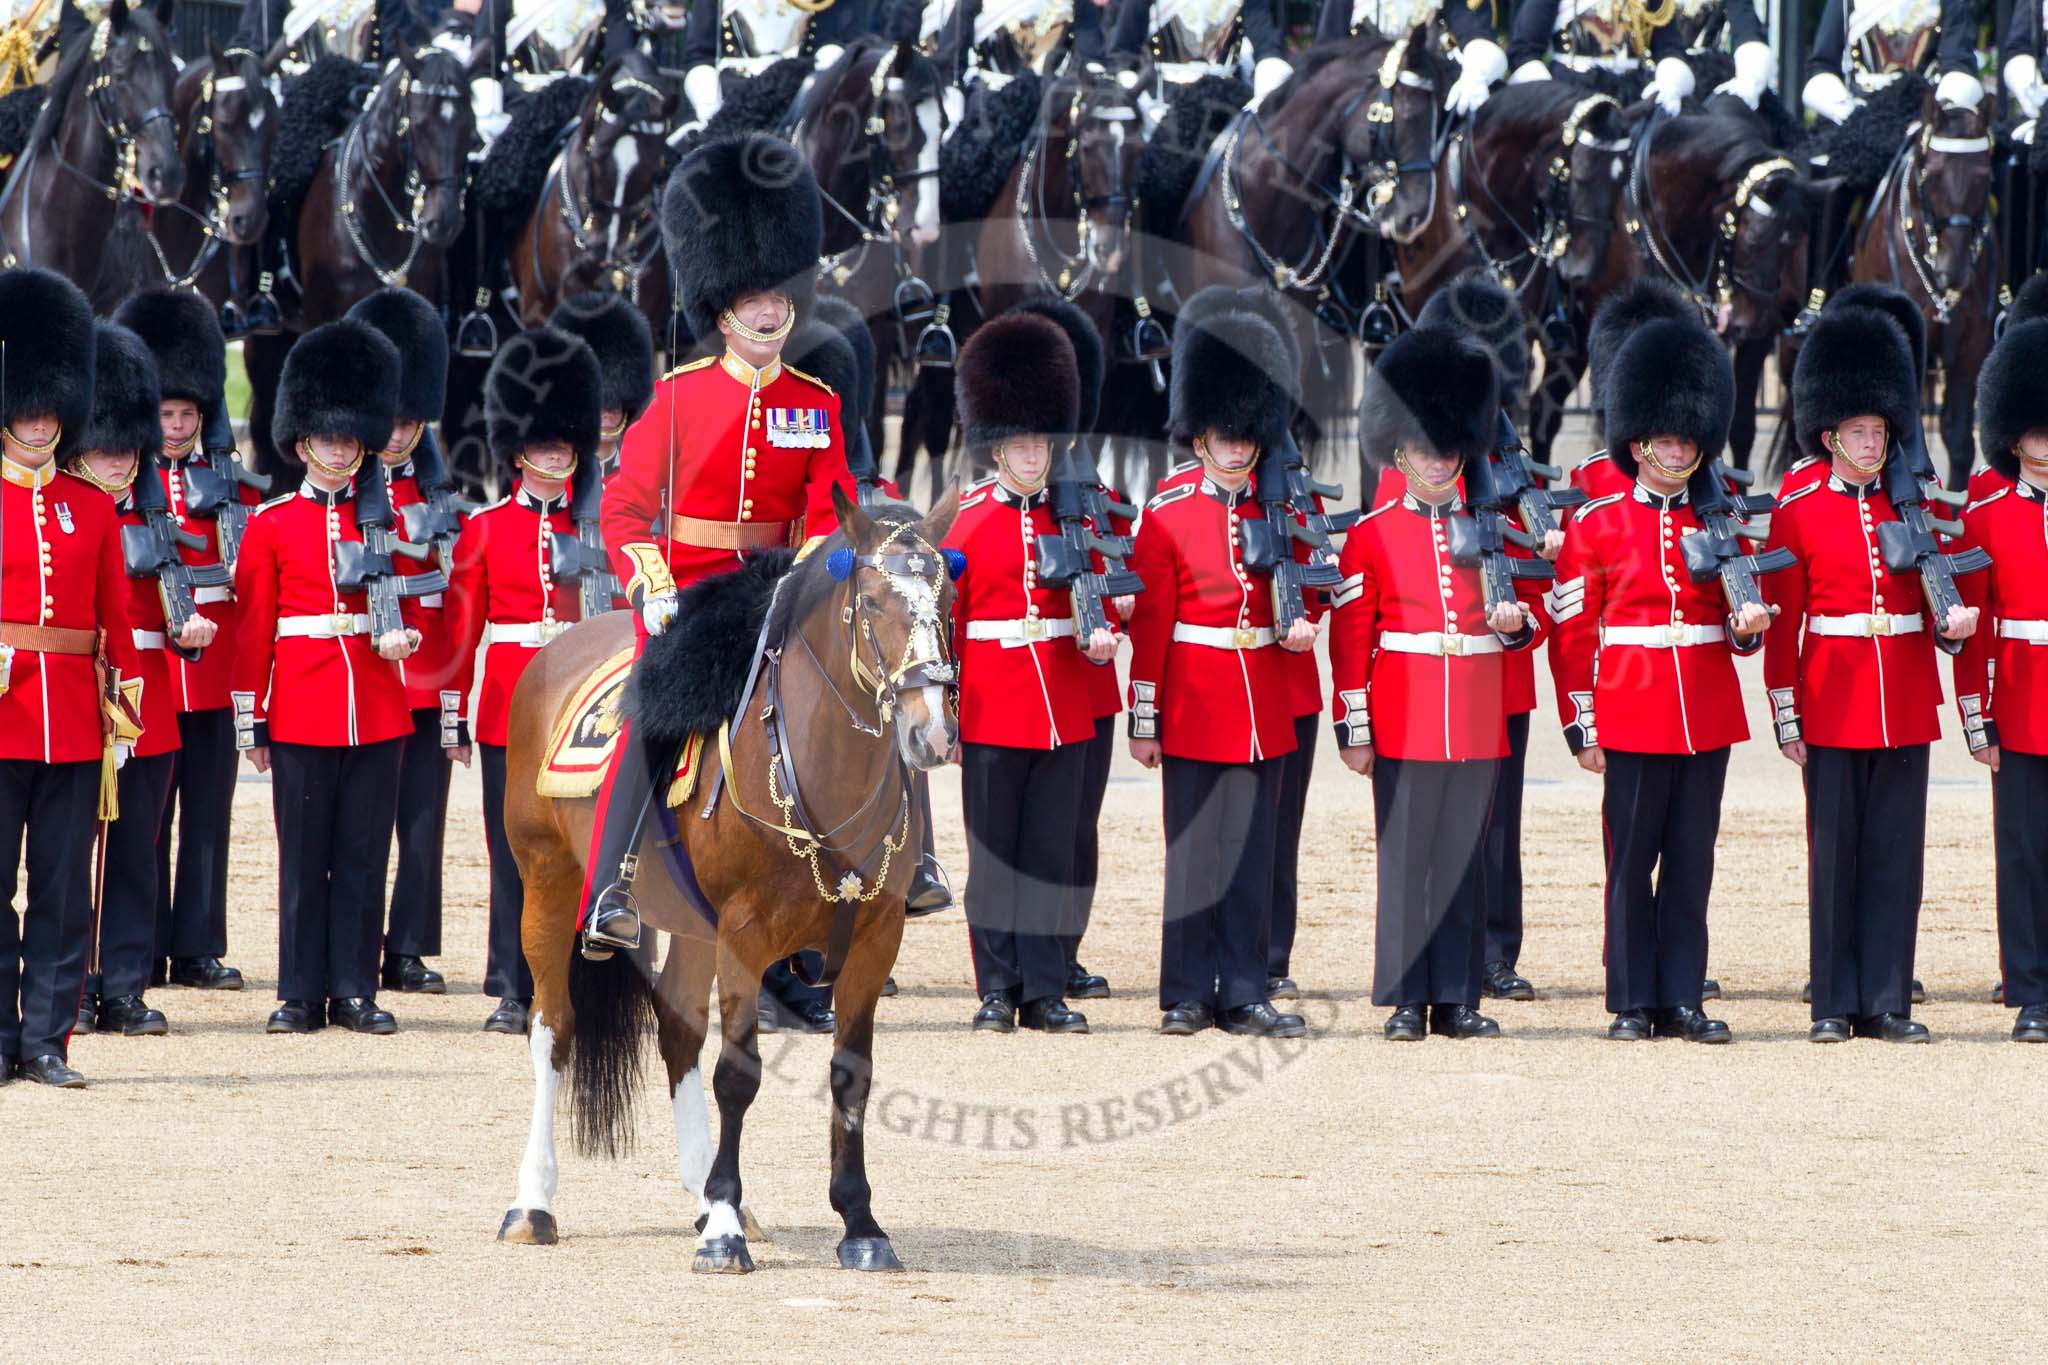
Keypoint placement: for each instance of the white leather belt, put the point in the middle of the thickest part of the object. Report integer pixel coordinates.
(1619, 62)
(2033, 632)
(149, 639)
(1224, 637)
(526, 634)
(1662, 637)
(1014, 634)
(322, 627)
(1438, 642)
(1866, 624)
(432, 599)
(207, 597)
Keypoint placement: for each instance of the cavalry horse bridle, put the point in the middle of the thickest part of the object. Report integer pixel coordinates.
(877, 221)
(1715, 287)
(1556, 217)
(354, 157)
(1911, 165)
(1077, 270)
(220, 178)
(620, 272)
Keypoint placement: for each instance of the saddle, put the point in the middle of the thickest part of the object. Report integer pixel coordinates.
(586, 732)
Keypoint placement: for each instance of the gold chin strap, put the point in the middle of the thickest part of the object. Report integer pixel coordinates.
(1833, 440)
(1431, 490)
(1646, 453)
(1210, 463)
(613, 433)
(398, 457)
(537, 472)
(1029, 487)
(35, 448)
(178, 450)
(332, 471)
(84, 470)
(761, 338)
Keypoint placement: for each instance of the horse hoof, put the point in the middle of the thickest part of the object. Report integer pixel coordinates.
(528, 1227)
(723, 1256)
(751, 1228)
(868, 1253)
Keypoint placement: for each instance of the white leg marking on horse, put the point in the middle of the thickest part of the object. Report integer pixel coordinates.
(537, 1170)
(722, 1220)
(693, 1135)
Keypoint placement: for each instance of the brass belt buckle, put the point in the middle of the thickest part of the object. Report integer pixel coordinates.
(1450, 643)
(1880, 622)
(1674, 636)
(549, 630)
(1034, 629)
(1245, 638)
(342, 623)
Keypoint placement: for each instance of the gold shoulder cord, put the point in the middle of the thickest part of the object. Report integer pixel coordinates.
(1644, 18)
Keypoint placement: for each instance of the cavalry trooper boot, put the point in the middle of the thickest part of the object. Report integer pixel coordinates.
(930, 889)
(612, 919)
(234, 323)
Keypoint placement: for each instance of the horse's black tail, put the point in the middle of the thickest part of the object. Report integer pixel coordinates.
(613, 1003)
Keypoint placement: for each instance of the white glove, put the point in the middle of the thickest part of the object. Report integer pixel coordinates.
(827, 55)
(1672, 83)
(1827, 96)
(1959, 90)
(953, 104)
(1530, 71)
(1754, 64)
(1480, 64)
(122, 753)
(2022, 76)
(700, 87)
(658, 611)
(1269, 75)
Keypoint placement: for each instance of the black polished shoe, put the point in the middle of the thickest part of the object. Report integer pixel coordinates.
(1186, 1018)
(888, 986)
(296, 1016)
(1051, 1015)
(1919, 992)
(51, 1070)
(614, 924)
(1505, 983)
(930, 891)
(1893, 1028)
(1461, 1021)
(812, 1016)
(1406, 1025)
(998, 1014)
(1998, 994)
(361, 1014)
(88, 1009)
(1083, 984)
(1710, 989)
(1261, 1020)
(1806, 994)
(1282, 988)
(412, 977)
(2032, 1025)
(159, 972)
(1630, 1026)
(205, 974)
(127, 1014)
(511, 1016)
(1831, 1030)
(1683, 1021)
(6, 1067)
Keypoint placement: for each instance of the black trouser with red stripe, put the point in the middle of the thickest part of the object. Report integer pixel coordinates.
(128, 902)
(1221, 826)
(1503, 864)
(48, 809)
(335, 806)
(1295, 770)
(2019, 793)
(1866, 840)
(423, 773)
(1019, 806)
(1430, 819)
(192, 907)
(1095, 759)
(1660, 815)
(505, 971)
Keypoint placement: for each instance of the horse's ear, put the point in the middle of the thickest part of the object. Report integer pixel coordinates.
(117, 16)
(939, 520)
(163, 11)
(858, 525)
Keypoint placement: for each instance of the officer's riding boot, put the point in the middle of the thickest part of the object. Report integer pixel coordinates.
(930, 889)
(476, 336)
(1830, 225)
(612, 918)
(2013, 225)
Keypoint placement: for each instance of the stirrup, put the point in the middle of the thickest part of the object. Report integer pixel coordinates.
(234, 323)
(914, 301)
(936, 347)
(266, 318)
(614, 919)
(1149, 341)
(931, 890)
(476, 336)
(1810, 314)
(1378, 326)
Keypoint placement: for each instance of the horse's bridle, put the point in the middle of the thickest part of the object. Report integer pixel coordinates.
(1076, 270)
(1911, 167)
(878, 219)
(219, 178)
(642, 239)
(1715, 287)
(354, 157)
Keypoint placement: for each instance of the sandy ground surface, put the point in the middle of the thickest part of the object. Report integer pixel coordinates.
(223, 1194)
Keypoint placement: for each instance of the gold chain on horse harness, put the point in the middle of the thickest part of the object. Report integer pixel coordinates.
(1069, 285)
(1920, 254)
(415, 188)
(883, 197)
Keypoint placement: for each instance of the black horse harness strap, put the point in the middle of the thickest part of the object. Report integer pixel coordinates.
(1908, 175)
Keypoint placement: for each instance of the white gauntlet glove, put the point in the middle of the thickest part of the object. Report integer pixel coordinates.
(658, 611)
(700, 86)
(1754, 63)
(1672, 83)
(1827, 96)
(1480, 64)
(1269, 75)
(2022, 76)
(1959, 90)
(1530, 71)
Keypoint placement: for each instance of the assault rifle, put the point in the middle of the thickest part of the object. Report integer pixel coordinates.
(1717, 550)
(581, 556)
(1496, 484)
(368, 566)
(436, 519)
(213, 480)
(1289, 513)
(151, 551)
(1909, 545)
(1068, 559)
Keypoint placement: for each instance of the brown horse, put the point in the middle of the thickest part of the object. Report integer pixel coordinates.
(1926, 232)
(851, 691)
(227, 122)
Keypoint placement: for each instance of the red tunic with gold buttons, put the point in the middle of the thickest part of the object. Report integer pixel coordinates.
(309, 689)
(749, 459)
(1224, 692)
(425, 670)
(1625, 610)
(1986, 481)
(1804, 472)
(146, 616)
(202, 684)
(504, 581)
(1019, 687)
(1877, 688)
(2001, 675)
(1442, 706)
(60, 569)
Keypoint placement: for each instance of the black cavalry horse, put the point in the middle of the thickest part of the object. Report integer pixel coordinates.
(227, 122)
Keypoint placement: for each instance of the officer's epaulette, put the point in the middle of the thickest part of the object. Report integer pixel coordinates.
(807, 378)
(699, 363)
(1587, 509)
(1986, 500)
(1783, 502)
(1171, 495)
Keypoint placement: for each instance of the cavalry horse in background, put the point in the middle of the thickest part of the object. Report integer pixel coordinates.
(104, 140)
(226, 125)
(871, 128)
(799, 831)
(595, 225)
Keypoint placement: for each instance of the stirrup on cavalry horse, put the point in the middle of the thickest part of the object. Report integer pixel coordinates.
(1810, 314)
(476, 336)
(234, 323)
(914, 302)
(936, 346)
(931, 890)
(612, 919)
(1149, 341)
(265, 318)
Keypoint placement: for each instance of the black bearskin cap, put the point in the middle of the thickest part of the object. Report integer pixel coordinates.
(1898, 306)
(125, 397)
(1432, 388)
(340, 379)
(1232, 374)
(841, 315)
(1016, 376)
(1643, 299)
(1855, 362)
(1088, 354)
(1671, 377)
(1261, 299)
(544, 386)
(46, 352)
(182, 330)
(1477, 306)
(616, 331)
(413, 325)
(2031, 302)
(739, 215)
(2012, 394)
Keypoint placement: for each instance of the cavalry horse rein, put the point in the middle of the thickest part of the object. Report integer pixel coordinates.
(1910, 166)
(354, 156)
(1713, 289)
(218, 178)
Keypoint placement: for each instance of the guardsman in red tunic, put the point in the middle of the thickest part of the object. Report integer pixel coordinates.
(183, 332)
(1849, 664)
(63, 616)
(318, 704)
(1026, 706)
(1643, 659)
(737, 453)
(616, 331)
(1810, 469)
(118, 455)
(1212, 698)
(1419, 699)
(2001, 676)
(504, 594)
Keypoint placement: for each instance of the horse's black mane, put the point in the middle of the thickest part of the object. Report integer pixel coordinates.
(517, 165)
(978, 158)
(316, 109)
(75, 64)
(1308, 65)
(1861, 150)
(1172, 157)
